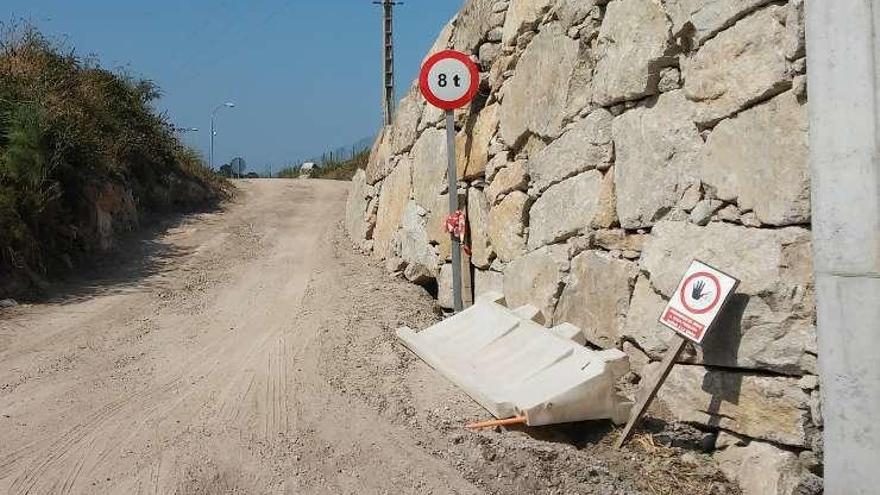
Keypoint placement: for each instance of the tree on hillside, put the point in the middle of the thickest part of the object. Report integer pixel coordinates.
(226, 170)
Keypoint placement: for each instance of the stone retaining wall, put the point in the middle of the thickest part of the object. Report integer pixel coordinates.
(613, 142)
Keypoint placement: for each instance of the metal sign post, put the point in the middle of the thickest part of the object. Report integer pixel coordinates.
(452, 175)
(449, 80)
(692, 309)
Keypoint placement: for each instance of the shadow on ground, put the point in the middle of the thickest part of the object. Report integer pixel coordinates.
(136, 257)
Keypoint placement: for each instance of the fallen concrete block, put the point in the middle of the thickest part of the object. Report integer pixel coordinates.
(513, 366)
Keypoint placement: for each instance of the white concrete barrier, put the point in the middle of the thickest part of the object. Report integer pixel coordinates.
(513, 366)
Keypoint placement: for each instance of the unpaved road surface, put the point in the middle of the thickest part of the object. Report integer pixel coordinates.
(250, 350)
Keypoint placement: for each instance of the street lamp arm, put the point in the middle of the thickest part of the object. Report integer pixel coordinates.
(228, 104)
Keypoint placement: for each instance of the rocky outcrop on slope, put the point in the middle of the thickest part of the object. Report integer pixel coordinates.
(614, 141)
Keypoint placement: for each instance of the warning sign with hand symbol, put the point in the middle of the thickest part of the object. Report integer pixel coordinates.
(697, 301)
(691, 311)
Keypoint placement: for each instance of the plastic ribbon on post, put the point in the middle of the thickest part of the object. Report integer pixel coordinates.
(456, 224)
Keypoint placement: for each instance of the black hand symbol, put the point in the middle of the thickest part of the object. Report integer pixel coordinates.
(697, 291)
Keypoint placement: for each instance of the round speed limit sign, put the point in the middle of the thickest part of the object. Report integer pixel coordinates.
(449, 79)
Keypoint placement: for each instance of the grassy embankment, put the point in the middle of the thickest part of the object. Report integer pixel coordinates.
(72, 136)
(334, 170)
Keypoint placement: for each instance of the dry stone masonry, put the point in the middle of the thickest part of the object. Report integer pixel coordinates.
(612, 142)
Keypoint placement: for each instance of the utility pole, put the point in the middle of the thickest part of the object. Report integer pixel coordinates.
(388, 58)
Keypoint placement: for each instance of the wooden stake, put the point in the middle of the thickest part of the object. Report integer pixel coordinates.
(467, 281)
(645, 399)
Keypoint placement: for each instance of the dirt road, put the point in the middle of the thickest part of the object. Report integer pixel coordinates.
(251, 351)
(200, 377)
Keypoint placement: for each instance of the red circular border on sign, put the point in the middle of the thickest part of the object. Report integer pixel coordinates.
(717, 292)
(443, 104)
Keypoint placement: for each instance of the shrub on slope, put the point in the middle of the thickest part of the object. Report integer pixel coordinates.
(71, 133)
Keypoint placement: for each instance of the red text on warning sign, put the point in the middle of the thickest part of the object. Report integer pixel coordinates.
(682, 323)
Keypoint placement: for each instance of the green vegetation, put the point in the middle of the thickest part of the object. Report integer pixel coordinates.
(343, 170)
(331, 169)
(69, 132)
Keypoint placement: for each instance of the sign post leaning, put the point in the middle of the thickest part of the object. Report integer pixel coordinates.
(692, 309)
(449, 79)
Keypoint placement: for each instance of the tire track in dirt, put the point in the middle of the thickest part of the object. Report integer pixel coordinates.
(224, 392)
(207, 388)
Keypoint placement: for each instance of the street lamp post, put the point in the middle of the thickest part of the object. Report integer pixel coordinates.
(228, 104)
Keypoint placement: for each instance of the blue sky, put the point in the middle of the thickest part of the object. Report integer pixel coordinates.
(305, 75)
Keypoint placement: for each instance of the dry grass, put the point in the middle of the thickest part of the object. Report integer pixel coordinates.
(68, 127)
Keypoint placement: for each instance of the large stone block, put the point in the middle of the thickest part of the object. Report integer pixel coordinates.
(472, 144)
(657, 149)
(618, 240)
(574, 12)
(486, 281)
(795, 28)
(580, 84)
(356, 208)
(759, 159)
(522, 15)
(437, 234)
(764, 469)
(765, 407)
(769, 321)
(482, 253)
(445, 296)
(414, 247)
(596, 297)
(634, 44)
(497, 163)
(535, 97)
(760, 258)
(741, 66)
(642, 326)
(432, 117)
(565, 209)
(506, 225)
(535, 279)
(406, 121)
(393, 198)
(702, 19)
(586, 146)
(380, 163)
(489, 53)
(473, 23)
(429, 167)
(513, 177)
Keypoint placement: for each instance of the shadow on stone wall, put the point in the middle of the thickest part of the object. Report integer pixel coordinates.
(722, 347)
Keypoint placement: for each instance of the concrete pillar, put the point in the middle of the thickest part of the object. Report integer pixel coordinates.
(843, 69)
